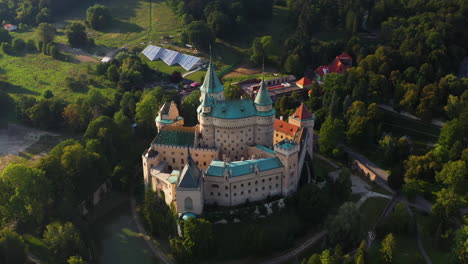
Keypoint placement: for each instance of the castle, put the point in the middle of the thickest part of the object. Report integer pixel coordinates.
(238, 152)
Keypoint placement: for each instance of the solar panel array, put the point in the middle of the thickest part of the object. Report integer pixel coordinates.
(171, 57)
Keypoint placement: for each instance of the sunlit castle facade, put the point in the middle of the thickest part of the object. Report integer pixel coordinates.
(238, 152)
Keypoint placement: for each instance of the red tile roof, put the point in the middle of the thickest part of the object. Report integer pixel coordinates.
(337, 66)
(285, 127)
(304, 82)
(302, 113)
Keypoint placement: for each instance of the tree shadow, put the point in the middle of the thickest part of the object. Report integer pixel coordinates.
(15, 89)
(119, 26)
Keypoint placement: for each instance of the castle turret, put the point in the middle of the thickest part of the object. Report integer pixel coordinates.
(304, 118)
(212, 85)
(263, 101)
(266, 118)
(288, 152)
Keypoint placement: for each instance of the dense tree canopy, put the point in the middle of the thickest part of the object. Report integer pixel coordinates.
(198, 34)
(98, 17)
(25, 193)
(63, 241)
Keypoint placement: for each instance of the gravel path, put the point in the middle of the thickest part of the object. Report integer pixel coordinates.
(157, 252)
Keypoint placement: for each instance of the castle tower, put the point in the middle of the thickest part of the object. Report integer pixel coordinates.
(265, 121)
(189, 190)
(206, 128)
(304, 118)
(169, 115)
(288, 152)
(212, 85)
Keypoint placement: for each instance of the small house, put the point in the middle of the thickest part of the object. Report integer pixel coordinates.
(10, 27)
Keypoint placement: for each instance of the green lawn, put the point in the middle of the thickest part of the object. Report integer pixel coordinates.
(32, 74)
(197, 76)
(131, 24)
(371, 210)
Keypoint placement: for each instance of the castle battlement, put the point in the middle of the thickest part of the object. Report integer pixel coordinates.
(192, 148)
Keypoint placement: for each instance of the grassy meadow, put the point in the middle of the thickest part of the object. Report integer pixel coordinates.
(32, 74)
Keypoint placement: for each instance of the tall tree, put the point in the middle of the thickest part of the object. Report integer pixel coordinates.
(98, 17)
(330, 134)
(46, 32)
(346, 227)
(24, 193)
(198, 34)
(76, 34)
(388, 247)
(63, 241)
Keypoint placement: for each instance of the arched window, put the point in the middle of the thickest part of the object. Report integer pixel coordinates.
(188, 203)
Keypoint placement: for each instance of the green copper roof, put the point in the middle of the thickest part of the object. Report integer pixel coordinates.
(263, 97)
(178, 138)
(207, 100)
(211, 84)
(186, 216)
(286, 144)
(265, 149)
(174, 176)
(167, 121)
(239, 168)
(236, 109)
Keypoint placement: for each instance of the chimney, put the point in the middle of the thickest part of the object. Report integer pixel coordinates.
(281, 118)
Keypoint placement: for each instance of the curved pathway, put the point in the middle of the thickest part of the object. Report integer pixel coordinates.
(291, 254)
(157, 252)
(418, 238)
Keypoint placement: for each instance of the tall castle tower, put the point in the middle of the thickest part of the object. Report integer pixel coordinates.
(304, 118)
(264, 106)
(288, 152)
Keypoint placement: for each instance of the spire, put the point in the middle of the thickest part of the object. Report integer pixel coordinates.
(211, 84)
(263, 97)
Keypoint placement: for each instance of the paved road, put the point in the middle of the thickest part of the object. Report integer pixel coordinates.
(157, 252)
(293, 253)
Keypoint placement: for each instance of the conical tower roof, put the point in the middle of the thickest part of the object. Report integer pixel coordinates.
(190, 175)
(207, 100)
(302, 113)
(211, 84)
(263, 97)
